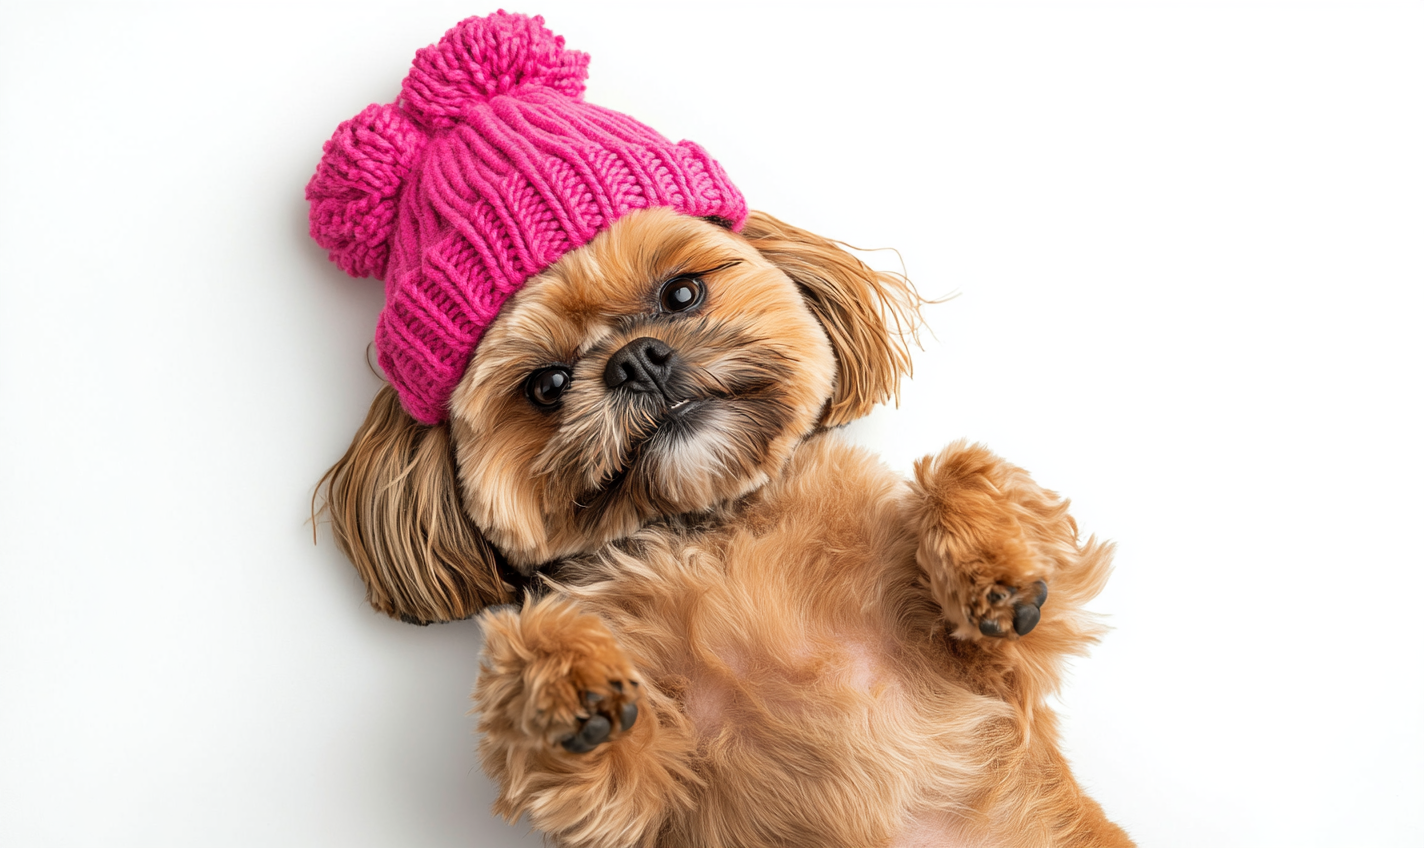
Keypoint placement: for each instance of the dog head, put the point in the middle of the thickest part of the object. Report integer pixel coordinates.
(666, 368)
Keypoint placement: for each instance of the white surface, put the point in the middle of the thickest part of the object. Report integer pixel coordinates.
(1188, 242)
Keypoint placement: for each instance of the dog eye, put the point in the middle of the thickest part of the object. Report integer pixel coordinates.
(545, 386)
(681, 294)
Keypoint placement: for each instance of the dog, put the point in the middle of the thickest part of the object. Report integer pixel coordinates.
(708, 620)
(743, 630)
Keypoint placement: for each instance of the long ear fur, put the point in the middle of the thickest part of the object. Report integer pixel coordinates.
(856, 304)
(396, 514)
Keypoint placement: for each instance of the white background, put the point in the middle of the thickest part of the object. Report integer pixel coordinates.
(1188, 241)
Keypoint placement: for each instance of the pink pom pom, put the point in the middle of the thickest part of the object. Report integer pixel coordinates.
(353, 193)
(480, 58)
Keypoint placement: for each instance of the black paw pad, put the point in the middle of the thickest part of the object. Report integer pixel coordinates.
(593, 733)
(1025, 618)
(1026, 613)
(1009, 606)
(598, 727)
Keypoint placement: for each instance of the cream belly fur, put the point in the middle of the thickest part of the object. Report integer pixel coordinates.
(763, 652)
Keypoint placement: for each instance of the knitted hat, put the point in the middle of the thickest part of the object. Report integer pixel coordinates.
(487, 169)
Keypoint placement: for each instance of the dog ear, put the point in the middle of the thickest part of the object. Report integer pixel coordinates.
(396, 513)
(867, 314)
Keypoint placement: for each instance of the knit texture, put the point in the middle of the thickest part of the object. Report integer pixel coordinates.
(487, 169)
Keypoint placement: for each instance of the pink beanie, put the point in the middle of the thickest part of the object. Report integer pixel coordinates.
(487, 169)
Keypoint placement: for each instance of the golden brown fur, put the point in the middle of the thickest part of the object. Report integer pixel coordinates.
(396, 514)
(819, 652)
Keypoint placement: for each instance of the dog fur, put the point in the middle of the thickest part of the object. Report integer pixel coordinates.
(755, 633)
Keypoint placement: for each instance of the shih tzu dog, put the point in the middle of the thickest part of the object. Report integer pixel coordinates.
(708, 620)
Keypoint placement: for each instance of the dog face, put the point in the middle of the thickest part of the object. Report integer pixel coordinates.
(668, 367)
(664, 368)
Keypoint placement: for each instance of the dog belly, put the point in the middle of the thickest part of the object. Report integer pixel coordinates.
(832, 677)
(821, 729)
(932, 829)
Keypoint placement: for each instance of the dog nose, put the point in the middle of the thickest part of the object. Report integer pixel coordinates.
(642, 365)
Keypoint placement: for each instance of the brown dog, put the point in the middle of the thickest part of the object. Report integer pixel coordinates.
(741, 630)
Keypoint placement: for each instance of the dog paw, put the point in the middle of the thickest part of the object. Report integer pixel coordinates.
(614, 707)
(999, 609)
(554, 678)
(991, 540)
(582, 699)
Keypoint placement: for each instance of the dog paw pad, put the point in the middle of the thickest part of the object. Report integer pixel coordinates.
(602, 712)
(1006, 608)
(594, 732)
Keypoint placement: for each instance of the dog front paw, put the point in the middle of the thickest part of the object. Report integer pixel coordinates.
(554, 677)
(991, 540)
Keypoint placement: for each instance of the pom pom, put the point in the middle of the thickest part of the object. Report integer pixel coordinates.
(480, 58)
(353, 193)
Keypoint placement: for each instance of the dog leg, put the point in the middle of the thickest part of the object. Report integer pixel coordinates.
(571, 733)
(1003, 561)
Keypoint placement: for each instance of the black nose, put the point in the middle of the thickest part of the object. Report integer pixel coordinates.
(642, 365)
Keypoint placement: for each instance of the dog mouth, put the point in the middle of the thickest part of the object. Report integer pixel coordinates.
(677, 419)
(688, 445)
(677, 414)
(674, 419)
